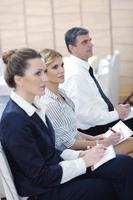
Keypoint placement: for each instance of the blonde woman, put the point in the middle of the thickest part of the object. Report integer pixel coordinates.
(60, 110)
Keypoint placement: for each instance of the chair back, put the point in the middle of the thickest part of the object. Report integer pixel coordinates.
(114, 78)
(2, 192)
(6, 178)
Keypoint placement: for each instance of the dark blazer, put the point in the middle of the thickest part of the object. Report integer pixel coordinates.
(30, 149)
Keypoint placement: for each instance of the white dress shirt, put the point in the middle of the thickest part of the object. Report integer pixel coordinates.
(72, 166)
(90, 108)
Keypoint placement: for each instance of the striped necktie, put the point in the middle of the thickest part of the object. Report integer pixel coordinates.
(107, 101)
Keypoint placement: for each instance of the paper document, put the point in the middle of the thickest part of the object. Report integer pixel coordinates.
(109, 154)
(130, 115)
(121, 128)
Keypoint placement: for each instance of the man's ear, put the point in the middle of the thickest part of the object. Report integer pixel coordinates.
(71, 47)
(18, 79)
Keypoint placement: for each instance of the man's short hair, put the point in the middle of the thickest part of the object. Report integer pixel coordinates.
(71, 35)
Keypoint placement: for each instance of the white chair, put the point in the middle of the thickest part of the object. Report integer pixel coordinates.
(7, 179)
(2, 192)
(109, 76)
(103, 74)
(4, 88)
(2, 66)
(114, 78)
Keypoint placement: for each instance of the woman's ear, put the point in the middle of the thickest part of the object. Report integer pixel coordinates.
(18, 80)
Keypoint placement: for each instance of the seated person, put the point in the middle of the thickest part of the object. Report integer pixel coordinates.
(40, 171)
(95, 113)
(60, 110)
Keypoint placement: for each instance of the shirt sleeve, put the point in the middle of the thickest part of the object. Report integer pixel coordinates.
(70, 154)
(90, 108)
(72, 166)
(65, 132)
(64, 138)
(72, 169)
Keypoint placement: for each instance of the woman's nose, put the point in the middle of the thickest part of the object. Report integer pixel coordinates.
(61, 69)
(44, 77)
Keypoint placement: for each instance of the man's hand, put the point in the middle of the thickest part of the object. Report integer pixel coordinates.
(123, 110)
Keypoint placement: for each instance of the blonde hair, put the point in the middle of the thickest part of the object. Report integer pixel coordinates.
(49, 56)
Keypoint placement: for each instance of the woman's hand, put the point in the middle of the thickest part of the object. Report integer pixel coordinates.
(93, 155)
(98, 137)
(113, 139)
(93, 138)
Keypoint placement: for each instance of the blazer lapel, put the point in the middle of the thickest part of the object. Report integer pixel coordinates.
(50, 129)
(47, 128)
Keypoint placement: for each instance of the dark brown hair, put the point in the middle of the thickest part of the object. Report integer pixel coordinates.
(16, 63)
(72, 34)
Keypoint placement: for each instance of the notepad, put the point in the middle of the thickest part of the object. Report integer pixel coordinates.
(120, 127)
(109, 154)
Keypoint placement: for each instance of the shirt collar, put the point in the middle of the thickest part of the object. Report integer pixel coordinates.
(27, 107)
(80, 62)
(52, 95)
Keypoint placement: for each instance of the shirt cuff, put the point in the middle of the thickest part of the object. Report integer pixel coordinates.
(114, 115)
(70, 154)
(72, 169)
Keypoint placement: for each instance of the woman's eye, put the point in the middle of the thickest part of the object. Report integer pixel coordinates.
(55, 67)
(38, 73)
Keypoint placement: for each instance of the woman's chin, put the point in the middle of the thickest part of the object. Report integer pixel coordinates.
(41, 93)
(62, 81)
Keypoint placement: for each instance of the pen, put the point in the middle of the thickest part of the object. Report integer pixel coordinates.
(112, 130)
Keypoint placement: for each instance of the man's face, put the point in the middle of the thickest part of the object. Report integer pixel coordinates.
(83, 47)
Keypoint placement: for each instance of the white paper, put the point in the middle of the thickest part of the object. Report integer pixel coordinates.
(130, 115)
(121, 128)
(109, 154)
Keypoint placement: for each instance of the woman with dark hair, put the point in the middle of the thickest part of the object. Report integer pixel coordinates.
(39, 170)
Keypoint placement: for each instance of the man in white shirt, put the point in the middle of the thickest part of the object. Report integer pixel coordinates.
(95, 113)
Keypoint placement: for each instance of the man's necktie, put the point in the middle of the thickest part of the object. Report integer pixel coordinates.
(107, 101)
